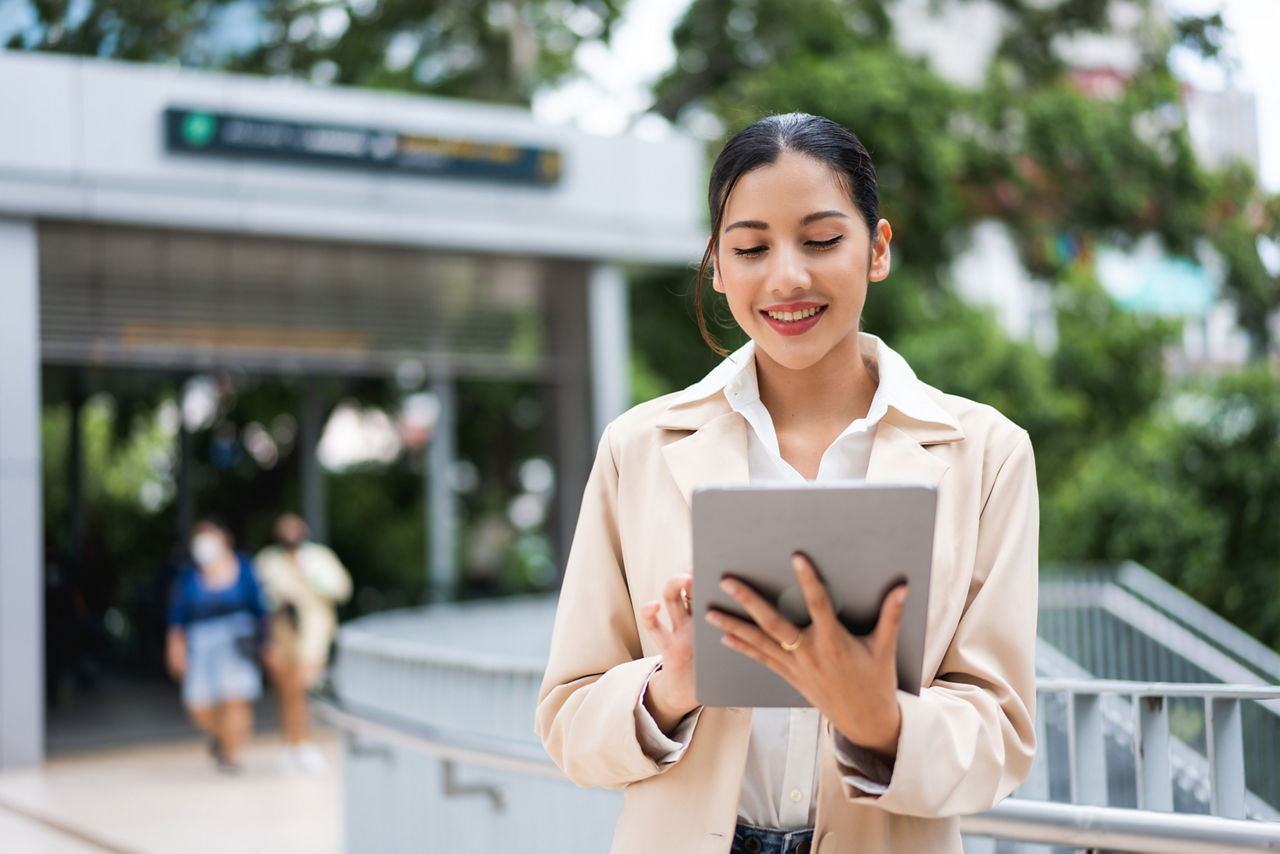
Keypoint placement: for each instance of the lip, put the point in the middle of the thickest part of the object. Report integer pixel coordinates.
(793, 327)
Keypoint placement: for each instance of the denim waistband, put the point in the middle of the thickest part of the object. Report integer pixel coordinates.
(749, 839)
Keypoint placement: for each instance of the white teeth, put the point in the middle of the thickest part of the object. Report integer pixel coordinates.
(793, 316)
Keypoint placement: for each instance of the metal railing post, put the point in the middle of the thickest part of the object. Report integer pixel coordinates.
(1087, 747)
(1224, 734)
(1151, 753)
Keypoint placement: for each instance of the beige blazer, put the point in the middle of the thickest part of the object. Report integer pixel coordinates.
(967, 739)
(314, 581)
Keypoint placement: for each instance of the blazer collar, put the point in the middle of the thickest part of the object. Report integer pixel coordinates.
(715, 451)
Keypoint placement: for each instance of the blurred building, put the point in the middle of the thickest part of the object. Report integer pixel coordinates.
(1223, 127)
(158, 218)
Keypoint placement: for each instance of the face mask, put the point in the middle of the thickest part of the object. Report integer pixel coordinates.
(207, 548)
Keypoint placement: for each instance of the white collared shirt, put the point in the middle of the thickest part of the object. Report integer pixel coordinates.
(781, 774)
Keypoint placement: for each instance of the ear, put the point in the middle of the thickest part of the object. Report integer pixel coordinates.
(717, 284)
(880, 258)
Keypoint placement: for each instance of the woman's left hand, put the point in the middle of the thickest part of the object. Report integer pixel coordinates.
(824, 661)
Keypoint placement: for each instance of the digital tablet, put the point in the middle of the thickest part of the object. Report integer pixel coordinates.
(863, 538)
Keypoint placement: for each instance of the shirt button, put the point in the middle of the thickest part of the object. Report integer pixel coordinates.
(796, 796)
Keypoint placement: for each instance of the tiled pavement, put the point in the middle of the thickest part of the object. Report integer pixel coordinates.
(168, 798)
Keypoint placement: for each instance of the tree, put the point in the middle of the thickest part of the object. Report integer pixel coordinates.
(500, 50)
(1062, 169)
(1065, 171)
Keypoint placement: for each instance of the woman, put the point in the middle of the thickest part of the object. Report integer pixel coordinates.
(217, 631)
(796, 238)
(303, 582)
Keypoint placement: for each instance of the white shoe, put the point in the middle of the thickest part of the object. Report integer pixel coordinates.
(289, 763)
(310, 758)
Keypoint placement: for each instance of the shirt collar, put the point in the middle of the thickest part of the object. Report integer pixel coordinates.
(898, 387)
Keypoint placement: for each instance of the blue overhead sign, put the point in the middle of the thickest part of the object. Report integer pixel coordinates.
(218, 134)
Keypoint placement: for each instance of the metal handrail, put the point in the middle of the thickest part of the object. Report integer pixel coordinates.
(451, 745)
(1114, 829)
(1216, 690)
(1139, 831)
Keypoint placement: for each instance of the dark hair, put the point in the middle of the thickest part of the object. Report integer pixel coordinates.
(213, 520)
(760, 144)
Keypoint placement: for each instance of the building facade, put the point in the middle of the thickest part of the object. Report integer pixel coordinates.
(168, 219)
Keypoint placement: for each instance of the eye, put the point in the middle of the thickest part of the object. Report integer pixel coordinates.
(825, 244)
(750, 252)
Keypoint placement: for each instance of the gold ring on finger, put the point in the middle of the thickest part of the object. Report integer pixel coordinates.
(795, 644)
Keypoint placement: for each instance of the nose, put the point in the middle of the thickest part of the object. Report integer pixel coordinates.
(790, 274)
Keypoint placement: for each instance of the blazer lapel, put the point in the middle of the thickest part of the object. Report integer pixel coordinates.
(898, 454)
(715, 452)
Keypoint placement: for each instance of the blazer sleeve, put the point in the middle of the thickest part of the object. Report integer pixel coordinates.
(968, 738)
(596, 671)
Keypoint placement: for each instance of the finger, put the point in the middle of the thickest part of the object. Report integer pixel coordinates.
(778, 666)
(884, 640)
(764, 614)
(649, 617)
(674, 595)
(747, 636)
(816, 598)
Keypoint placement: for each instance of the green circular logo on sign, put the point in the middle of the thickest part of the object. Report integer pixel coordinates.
(198, 129)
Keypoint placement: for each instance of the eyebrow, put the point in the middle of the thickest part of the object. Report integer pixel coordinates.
(764, 226)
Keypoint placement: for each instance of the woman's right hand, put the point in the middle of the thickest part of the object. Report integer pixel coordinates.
(670, 695)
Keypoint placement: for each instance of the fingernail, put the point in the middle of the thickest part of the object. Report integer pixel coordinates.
(798, 563)
(729, 586)
(714, 619)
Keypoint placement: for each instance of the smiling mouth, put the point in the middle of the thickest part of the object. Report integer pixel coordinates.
(794, 316)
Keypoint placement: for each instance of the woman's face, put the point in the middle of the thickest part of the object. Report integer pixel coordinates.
(208, 544)
(794, 260)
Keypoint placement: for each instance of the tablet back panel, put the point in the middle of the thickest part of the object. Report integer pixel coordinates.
(864, 539)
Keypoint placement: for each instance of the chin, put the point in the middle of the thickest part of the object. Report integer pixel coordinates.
(791, 356)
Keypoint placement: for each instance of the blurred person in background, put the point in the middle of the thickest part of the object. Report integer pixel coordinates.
(304, 583)
(217, 634)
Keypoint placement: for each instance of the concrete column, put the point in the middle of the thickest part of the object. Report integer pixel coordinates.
(21, 516)
(442, 514)
(570, 437)
(609, 337)
(315, 508)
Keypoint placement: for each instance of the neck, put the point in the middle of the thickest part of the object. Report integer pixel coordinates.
(222, 565)
(829, 394)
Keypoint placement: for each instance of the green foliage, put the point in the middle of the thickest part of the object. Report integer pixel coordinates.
(667, 351)
(961, 350)
(496, 51)
(1128, 499)
(376, 523)
(131, 479)
(1233, 464)
(1193, 494)
(1107, 357)
(138, 30)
